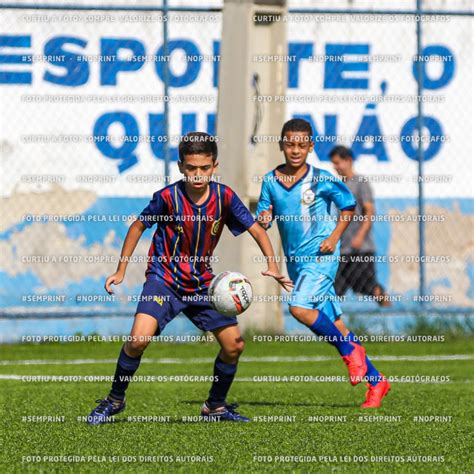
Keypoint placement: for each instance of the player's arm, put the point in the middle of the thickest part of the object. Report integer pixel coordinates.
(265, 217)
(261, 237)
(147, 218)
(264, 210)
(329, 245)
(342, 197)
(239, 220)
(134, 233)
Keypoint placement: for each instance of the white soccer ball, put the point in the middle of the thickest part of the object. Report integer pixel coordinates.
(230, 293)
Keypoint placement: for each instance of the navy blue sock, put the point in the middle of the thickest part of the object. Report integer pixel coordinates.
(223, 377)
(373, 375)
(126, 367)
(323, 326)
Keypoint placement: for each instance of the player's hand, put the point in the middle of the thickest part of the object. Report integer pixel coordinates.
(328, 245)
(265, 217)
(114, 279)
(284, 281)
(356, 242)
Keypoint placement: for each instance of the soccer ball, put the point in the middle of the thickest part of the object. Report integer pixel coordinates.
(230, 293)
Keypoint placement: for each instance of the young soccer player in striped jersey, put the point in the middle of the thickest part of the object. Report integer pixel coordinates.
(190, 215)
(299, 197)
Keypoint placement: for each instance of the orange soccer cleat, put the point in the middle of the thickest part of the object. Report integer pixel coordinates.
(375, 393)
(356, 364)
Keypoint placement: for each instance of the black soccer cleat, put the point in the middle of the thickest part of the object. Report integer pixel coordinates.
(105, 410)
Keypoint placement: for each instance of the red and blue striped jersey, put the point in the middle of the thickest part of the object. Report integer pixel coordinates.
(186, 235)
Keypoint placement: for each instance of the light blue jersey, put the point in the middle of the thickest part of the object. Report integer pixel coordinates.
(303, 215)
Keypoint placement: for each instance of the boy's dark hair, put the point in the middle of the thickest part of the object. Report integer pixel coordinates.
(342, 151)
(296, 125)
(197, 143)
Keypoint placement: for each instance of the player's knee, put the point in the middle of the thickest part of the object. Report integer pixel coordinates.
(302, 314)
(295, 311)
(233, 351)
(136, 346)
(239, 347)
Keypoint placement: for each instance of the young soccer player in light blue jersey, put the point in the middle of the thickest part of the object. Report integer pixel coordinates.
(299, 197)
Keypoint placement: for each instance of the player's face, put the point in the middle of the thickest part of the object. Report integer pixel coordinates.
(198, 170)
(296, 146)
(343, 167)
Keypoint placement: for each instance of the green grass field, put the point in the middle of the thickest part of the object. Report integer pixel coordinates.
(324, 429)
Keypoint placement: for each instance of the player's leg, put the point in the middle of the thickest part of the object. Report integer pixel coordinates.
(377, 384)
(309, 293)
(158, 305)
(144, 328)
(227, 333)
(367, 276)
(365, 283)
(373, 376)
(225, 365)
(314, 290)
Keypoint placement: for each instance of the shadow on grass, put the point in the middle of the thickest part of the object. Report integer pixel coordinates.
(193, 419)
(169, 422)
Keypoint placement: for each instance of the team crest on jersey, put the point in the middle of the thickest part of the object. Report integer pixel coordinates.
(158, 299)
(215, 227)
(308, 197)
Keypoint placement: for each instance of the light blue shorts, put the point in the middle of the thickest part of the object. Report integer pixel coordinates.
(314, 290)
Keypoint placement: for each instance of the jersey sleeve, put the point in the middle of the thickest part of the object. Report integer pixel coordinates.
(150, 215)
(265, 200)
(239, 218)
(339, 193)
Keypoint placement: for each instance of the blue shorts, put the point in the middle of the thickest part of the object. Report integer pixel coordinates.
(160, 301)
(314, 290)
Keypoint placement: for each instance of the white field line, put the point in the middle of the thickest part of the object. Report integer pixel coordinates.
(103, 378)
(207, 360)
